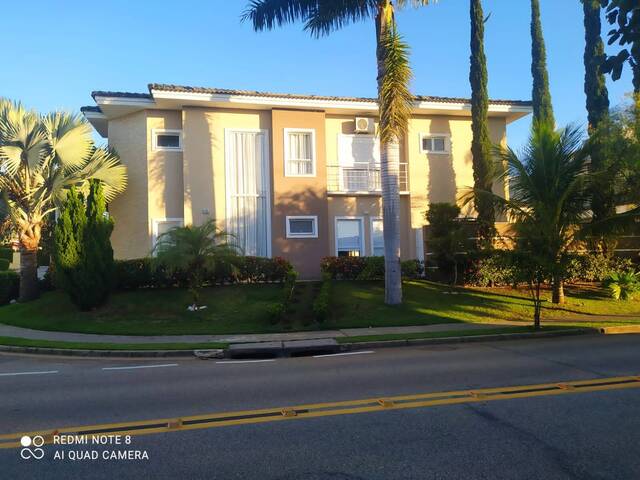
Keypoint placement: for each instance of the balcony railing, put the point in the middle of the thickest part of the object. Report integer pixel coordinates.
(361, 179)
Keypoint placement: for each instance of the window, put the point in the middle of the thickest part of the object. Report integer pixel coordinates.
(302, 227)
(359, 163)
(349, 237)
(434, 144)
(377, 238)
(167, 139)
(299, 152)
(163, 225)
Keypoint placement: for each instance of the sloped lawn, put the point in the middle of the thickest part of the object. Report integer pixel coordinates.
(244, 309)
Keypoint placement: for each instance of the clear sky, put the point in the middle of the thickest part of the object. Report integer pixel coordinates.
(57, 52)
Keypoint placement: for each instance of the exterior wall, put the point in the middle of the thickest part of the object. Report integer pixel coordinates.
(299, 195)
(131, 234)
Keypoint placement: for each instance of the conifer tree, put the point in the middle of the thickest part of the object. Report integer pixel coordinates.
(68, 240)
(481, 143)
(542, 107)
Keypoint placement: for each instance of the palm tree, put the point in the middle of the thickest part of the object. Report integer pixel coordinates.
(40, 158)
(321, 17)
(195, 251)
(549, 195)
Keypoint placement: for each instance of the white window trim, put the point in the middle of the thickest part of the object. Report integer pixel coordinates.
(314, 234)
(156, 222)
(371, 220)
(288, 131)
(163, 131)
(447, 143)
(335, 233)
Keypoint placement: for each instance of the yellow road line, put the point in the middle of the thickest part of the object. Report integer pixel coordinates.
(315, 410)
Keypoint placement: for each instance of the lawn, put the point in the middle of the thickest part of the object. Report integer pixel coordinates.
(241, 309)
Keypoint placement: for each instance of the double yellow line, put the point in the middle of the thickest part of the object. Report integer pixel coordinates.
(422, 400)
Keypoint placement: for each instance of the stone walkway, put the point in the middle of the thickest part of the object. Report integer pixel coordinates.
(10, 331)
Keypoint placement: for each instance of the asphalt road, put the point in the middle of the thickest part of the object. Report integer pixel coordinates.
(593, 435)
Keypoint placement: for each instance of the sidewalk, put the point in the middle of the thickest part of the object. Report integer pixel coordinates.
(10, 331)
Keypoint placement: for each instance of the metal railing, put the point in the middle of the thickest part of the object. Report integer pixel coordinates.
(361, 179)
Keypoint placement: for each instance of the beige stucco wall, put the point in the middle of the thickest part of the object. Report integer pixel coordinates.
(131, 234)
(299, 195)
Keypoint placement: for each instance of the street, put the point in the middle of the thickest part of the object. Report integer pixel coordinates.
(586, 435)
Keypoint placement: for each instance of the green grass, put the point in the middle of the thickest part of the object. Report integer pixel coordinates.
(240, 309)
(447, 334)
(26, 342)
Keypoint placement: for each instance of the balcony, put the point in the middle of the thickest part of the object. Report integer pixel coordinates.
(361, 179)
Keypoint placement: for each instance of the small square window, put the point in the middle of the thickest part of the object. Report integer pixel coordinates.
(433, 144)
(167, 140)
(302, 227)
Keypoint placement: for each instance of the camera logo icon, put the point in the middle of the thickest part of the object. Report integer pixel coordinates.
(32, 447)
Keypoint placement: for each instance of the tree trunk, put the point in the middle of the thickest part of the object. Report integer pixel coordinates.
(558, 290)
(28, 275)
(390, 174)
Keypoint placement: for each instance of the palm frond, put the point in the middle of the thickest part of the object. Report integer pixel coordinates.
(269, 14)
(68, 138)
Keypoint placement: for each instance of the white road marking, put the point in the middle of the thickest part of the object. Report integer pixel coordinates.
(364, 352)
(141, 366)
(247, 361)
(27, 373)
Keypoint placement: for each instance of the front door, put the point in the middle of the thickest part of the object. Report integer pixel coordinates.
(248, 190)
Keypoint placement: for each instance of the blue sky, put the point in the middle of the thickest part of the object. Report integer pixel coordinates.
(61, 51)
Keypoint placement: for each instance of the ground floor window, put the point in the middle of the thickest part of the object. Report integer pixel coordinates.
(377, 237)
(302, 227)
(349, 237)
(163, 225)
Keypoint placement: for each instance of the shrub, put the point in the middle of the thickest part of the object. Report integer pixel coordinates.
(594, 267)
(322, 302)
(412, 268)
(6, 253)
(622, 285)
(373, 268)
(365, 268)
(490, 270)
(9, 286)
(4, 264)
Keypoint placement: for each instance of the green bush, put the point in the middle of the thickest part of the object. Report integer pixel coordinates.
(412, 268)
(9, 286)
(365, 268)
(373, 268)
(6, 253)
(321, 304)
(4, 264)
(622, 285)
(594, 267)
(491, 270)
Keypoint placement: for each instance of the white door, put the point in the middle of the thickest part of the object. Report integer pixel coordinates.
(248, 190)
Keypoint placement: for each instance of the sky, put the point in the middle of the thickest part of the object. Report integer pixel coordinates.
(58, 51)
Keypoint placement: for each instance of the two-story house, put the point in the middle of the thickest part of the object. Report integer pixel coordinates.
(296, 176)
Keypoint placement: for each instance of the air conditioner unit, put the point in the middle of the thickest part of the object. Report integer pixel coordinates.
(365, 125)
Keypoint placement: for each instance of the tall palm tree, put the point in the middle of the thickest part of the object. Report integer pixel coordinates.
(40, 157)
(321, 17)
(549, 195)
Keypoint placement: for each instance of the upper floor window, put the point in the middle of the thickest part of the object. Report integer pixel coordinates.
(434, 144)
(167, 139)
(299, 152)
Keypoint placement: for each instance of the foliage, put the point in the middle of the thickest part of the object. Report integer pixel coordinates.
(41, 156)
(322, 303)
(411, 268)
(278, 310)
(4, 264)
(9, 286)
(373, 268)
(542, 107)
(624, 15)
(492, 269)
(6, 253)
(447, 237)
(622, 285)
(195, 250)
(343, 268)
(481, 146)
(596, 267)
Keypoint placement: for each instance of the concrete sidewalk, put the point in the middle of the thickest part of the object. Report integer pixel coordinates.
(10, 331)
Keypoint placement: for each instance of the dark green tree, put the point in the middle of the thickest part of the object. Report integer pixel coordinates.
(481, 147)
(624, 15)
(603, 203)
(68, 242)
(97, 267)
(542, 107)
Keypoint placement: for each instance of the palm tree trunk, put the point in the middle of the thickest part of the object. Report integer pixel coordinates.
(558, 290)
(28, 275)
(390, 174)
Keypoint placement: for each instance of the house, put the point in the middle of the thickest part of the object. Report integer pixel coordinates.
(296, 176)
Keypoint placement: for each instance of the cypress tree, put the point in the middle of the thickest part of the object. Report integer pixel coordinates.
(542, 108)
(68, 241)
(595, 88)
(481, 142)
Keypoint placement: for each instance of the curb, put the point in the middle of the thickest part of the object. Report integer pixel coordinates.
(344, 347)
(468, 339)
(620, 329)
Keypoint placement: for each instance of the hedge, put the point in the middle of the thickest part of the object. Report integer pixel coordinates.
(322, 302)
(365, 268)
(6, 253)
(142, 273)
(4, 264)
(9, 286)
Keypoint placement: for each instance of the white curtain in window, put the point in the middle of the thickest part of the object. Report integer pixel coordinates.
(248, 189)
(300, 161)
(349, 237)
